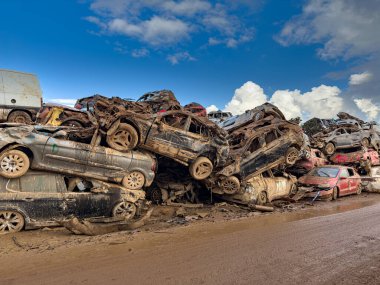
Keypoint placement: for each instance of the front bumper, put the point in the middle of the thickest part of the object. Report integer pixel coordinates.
(317, 193)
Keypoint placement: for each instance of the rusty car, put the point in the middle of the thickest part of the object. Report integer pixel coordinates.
(196, 108)
(330, 182)
(187, 138)
(218, 116)
(160, 101)
(355, 157)
(264, 188)
(38, 199)
(48, 148)
(373, 183)
(314, 158)
(253, 151)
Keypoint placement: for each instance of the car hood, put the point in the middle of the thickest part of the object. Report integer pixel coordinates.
(316, 180)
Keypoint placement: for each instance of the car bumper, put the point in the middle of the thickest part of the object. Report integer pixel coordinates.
(317, 193)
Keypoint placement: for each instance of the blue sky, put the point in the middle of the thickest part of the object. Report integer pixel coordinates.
(202, 50)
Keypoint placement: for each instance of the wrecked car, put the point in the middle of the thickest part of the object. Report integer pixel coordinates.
(372, 185)
(196, 108)
(316, 125)
(253, 151)
(160, 101)
(264, 188)
(218, 116)
(355, 157)
(332, 181)
(191, 140)
(341, 138)
(47, 148)
(260, 112)
(307, 163)
(37, 199)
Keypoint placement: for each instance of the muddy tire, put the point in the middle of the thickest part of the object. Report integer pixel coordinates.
(124, 209)
(72, 123)
(13, 163)
(124, 138)
(365, 142)
(134, 180)
(291, 156)
(201, 168)
(20, 117)
(11, 222)
(262, 198)
(230, 185)
(329, 148)
(335, 194)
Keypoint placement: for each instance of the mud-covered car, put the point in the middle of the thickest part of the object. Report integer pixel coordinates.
(37, 199)
(355, 157)
(316, 125)
(330, 181)
(342, 138)
(266, 110)
(218, 116)
(314, 158)
(372, 184)
(47, 148)
(59, 115)
(160, 101)
(253, 151)
(187, 138)
(264, 188)
(196, 109)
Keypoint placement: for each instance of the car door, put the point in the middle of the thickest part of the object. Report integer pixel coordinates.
(356, 136)
(353, 181)
(252, 157)
(344, 182)
(341, 138)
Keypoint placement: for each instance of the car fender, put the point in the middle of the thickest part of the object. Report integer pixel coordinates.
(17, 209)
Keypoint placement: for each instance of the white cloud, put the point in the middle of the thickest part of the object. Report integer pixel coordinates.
(180, 56)
(360, 78)
(211, 108)
(367, 107)
(186, 7)
(143, 52)
(67, 102)
(248, 96)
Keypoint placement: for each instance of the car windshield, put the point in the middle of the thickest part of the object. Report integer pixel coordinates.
(325, 172)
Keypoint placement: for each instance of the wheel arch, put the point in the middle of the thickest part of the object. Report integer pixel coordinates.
(21, 110)
(19, 210)
(20, 147)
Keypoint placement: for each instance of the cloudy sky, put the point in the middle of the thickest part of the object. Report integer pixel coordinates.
(310, 58)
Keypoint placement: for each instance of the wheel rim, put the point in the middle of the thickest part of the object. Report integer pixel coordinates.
(292, 157)
(365, 142)
(122, 138)
(203, 169)
(329, 148)
(12, 163)
(20, 120)
(10, 222)
(124, 209)
(135, 180)
(262, 198)
(229, 186)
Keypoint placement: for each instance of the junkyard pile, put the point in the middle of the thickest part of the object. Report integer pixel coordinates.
(108, 159)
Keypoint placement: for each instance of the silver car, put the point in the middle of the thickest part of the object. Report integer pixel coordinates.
(49, 148)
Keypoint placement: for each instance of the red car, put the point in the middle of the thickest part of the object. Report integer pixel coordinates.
(304, 165)
(356, 157)
(196, 108)
(331, 181)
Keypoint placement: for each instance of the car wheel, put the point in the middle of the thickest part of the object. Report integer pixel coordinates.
(293, 190)
(11, 222)
(124, 138)
(72, 123)
(329, 148)
(230, 185)
(335, 194)
(134, 180)
(365, 142)
(262, 198)
(124, 209)
(201, 168)
(359, 189)
(291, 156)
(13, 163)
(19, 117)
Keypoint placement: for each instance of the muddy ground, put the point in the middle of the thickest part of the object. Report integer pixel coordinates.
(55, 255)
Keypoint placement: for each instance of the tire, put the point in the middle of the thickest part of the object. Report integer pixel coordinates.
(230, 185)
(72, 123)
(365, 142)
(201, 168)
(13, 163)
(11, 222)
(125, 138)
(329, 148)
(20, 117)
(124, 209)
(262, 198)
(291, 156)
(335, 194)
(134, 180)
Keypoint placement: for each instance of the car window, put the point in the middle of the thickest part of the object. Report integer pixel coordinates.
(255, 145)
(350, 172)
(35, 183)
(318, 154)
(175, 120)
(344, 173)
(325, 172)
(197, 127)
(271, 136)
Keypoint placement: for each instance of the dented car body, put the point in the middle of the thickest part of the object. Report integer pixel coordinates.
(160, 101)
(40, 198)
(196, 108)
(48, 148)
(356, 157)
(307, 163)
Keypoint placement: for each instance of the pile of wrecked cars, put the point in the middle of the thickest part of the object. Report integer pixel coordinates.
(106, 157)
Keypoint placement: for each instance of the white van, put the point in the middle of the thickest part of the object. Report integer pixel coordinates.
(20, 96)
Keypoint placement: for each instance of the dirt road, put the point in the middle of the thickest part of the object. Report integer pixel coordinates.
(338, 243)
